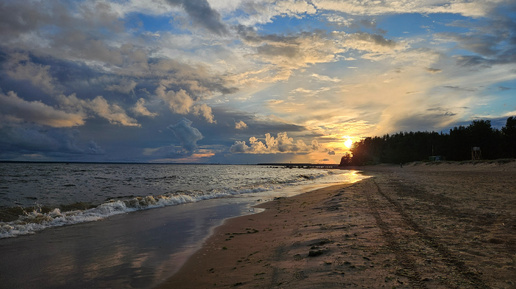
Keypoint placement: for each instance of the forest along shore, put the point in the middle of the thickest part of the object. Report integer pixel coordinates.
(420, 226)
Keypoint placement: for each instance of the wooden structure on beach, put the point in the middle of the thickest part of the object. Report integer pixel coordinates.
(302, 165)
(476, 154)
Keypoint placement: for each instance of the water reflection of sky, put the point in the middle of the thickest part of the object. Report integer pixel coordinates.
(137, 250)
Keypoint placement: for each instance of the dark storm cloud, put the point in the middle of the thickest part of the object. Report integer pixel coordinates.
(19, 67)
(50, 78)
(16, 17)
(65, 29)
(186, 134)
(94, 148)
(34, 139)
(202, 14)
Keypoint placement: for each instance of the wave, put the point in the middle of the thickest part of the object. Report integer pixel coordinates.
(36, 219)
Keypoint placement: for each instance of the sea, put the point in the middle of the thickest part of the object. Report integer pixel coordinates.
(84, 225)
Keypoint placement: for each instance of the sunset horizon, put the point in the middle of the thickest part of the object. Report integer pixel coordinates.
(245, 82)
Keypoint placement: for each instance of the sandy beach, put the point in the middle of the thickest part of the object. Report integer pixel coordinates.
(441, 225)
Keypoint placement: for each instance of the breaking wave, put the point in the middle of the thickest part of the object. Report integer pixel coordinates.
(32, 220)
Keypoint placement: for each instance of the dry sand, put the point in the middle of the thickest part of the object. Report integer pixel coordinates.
(445, 225)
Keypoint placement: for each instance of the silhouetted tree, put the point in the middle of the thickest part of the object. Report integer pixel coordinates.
(509, 136)
(345, 160)
(418, 146)
(482, 135)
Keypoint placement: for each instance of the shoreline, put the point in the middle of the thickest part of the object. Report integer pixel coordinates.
(420, 226)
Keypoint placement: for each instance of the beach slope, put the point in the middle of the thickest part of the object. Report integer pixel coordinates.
(420, 226)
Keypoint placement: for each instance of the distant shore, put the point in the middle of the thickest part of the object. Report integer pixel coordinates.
(426, 225)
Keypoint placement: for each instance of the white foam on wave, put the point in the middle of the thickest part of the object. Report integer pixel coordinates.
(36, 220)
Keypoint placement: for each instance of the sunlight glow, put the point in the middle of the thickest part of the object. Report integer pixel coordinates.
(348, 143)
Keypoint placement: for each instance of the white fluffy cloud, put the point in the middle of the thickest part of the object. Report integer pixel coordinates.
(240, 125)
(178, 102)
(182, 103)
(273, 145)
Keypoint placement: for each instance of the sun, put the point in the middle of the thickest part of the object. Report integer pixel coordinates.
(348, 143)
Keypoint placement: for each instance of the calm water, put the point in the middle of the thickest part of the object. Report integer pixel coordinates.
(125, 225)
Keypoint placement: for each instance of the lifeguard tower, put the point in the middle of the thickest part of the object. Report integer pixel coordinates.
(476, 153)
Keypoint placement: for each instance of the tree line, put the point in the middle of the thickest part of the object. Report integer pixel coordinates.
(457, 145)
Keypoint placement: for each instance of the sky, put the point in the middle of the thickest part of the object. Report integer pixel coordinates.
(243, 82)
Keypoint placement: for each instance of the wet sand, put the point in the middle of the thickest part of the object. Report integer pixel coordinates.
(137, 250)
(446, 225)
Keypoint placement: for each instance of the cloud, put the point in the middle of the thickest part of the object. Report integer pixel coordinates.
(178, 102)
(240, 125)
(282, 54)
(479, 43)
(140, 109)
(205, 111)
(202, 14)
(182, 102)
(371, 7)
(273, 66)
(187, 135)
(292, 51)
(125, 86)
(114, 113)
(434, 70)
(19, 67)
(261, 12)
(287, 53)
(16, 109)
(137, 6)
(198, 80)
(94, 148)
(281, 144)
(17, 18)
(369, 42)
(325, 78)
(27, 27)
(16, 140)
(488, 42)
(474, 60)
(373, 47)
(431, 120)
